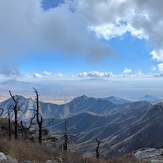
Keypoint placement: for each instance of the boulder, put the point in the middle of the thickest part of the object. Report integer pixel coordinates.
(2, 158)
(10, 159)
(58, 159)
(156, 161)
(49, 161)
(150, 154)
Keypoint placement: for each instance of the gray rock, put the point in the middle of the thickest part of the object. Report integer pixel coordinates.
(49, 161)
(150, 154)
(58, 159)
(10, 159)
(156, 161)
(2, 158)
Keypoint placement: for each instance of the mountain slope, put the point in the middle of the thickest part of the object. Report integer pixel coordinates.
(122, 128)
(116, 100)
(27, 105)
(151, 99)
(49, 110)
(113, 129)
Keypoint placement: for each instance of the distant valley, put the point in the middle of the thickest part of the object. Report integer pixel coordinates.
(64, 91)
(121, 125)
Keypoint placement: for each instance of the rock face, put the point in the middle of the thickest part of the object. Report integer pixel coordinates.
(6, 158)
(2, 157)
(151, 155)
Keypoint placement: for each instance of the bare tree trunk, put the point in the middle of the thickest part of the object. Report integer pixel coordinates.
(16, 123)
(16, 108)
(65, 137)
(40, 131)
(9, 126)
(39, 121)
(2, 110)
(97, 148)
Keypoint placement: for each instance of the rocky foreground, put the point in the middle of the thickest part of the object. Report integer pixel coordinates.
(144, 155)
(8, 159)
(149, 155)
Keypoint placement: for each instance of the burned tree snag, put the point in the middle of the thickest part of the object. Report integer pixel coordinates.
(9, 124)
(1, 111)
(97, 148)
(15, 109)
(24, 129)
(65, 136)
(38, 120)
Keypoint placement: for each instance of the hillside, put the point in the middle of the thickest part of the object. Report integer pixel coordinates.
(122, 128)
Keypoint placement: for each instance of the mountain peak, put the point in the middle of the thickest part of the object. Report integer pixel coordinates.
(83, 97)
(151, 99)
(116, 100)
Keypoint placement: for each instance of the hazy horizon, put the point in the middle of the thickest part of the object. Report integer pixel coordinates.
(73, 42)
(63, 91)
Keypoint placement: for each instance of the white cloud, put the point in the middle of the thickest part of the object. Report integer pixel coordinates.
(160, 67)
(95, 74)
(114, 18)
(153, 68)
(140, 74)
(37, 75)
(126, 71)
(41, 31)
(157, 54)
(46, 73)
(45, 31)
(59, 74)
(9, 71)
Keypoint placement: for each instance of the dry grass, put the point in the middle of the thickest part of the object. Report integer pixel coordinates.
(22, 150)
(26, 150)
(116, 160)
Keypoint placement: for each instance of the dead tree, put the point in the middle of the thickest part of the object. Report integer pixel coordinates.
(2, 110)
(65, 137)
(39, 121)
(15, 109)
(24, 129)
(97, 148)
(9, 122)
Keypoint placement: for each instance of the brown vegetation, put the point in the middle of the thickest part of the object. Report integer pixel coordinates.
(23, 150)
(35, 152)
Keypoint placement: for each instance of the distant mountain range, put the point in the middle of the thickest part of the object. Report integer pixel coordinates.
(61, 92)
(116, 100)
(122, 126)
(151, 99)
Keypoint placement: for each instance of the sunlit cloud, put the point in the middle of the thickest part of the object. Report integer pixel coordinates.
(95, 74)
(160, 67)
(126, 71)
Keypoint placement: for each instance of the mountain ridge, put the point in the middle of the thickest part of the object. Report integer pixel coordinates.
(122, 127)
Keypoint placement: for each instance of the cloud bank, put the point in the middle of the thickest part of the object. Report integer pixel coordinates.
(113, 18)
(76, 27)
(26, 28)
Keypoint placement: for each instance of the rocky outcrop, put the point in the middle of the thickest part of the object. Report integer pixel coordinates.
(7, 158)
(150, 155)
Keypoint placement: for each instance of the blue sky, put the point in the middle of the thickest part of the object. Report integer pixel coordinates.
(76, 39)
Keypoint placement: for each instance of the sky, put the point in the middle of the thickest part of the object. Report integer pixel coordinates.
(81, 39)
